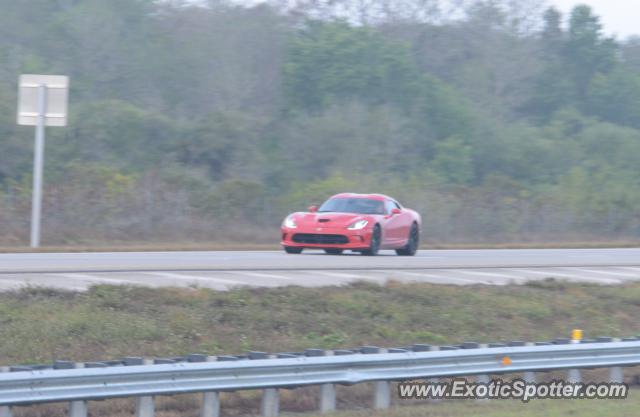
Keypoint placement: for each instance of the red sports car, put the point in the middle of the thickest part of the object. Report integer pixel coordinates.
(362, 223)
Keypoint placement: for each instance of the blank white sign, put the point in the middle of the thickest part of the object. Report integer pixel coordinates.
(57, 97)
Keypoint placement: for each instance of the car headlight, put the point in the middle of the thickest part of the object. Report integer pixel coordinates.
(290, 223)
(359, 225)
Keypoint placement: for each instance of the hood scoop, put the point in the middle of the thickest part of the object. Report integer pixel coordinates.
(324, 220)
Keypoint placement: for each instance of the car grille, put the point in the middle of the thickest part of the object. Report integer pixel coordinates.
(320, 239)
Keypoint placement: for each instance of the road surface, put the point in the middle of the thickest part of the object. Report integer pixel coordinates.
(227, 269)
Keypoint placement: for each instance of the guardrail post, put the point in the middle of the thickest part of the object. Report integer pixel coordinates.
(382, 395)
(480, 378)
(327, 391)
(382, 399)
(615, 372)
(428, 348)
(78, 408)
(270, 405)
(483, 378)
(573, 375)
(5, 410)
(529, 376)
(210, 400)
(270, 402)
(145, 406)
(327, 398)
(210, 404)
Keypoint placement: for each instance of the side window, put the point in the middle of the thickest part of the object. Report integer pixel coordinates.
(396, 205)
(389, 205)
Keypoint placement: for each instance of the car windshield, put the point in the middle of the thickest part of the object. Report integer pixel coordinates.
(353, 205)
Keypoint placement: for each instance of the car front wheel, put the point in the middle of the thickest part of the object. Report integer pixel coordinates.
(374, 246)
(333, 251)
(292, 250)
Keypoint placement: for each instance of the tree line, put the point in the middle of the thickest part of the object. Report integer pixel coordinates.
(498, 120)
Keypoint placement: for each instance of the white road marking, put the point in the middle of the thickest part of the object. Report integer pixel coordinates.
(629, 268)
(275, 278)
(546, 274)
(260, 275)
(93, 278)
(338, 274)
(341, 275)
(46, 284)
(192, 278)
(579, 278)
(353, 277)
(589, 278)
(12, 283)
(488, 274)
(442, 278)
(619, 274)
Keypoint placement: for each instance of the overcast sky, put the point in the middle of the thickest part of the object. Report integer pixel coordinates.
(619, 17)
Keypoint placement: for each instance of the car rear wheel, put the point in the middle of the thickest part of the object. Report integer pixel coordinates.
(333, 251)
(290, 249)
(412, 244)
(374, 246)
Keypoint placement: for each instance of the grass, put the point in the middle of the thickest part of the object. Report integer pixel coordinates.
(539, 408)
(40, 325)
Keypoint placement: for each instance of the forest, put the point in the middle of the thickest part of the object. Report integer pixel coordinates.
(500, 121)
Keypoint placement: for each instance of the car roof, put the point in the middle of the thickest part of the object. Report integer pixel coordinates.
(380, 197)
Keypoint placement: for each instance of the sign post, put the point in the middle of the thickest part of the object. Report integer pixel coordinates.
(42, 102)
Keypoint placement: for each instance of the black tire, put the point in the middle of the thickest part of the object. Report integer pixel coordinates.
(374, 246)
(333, 251)
(292, 250)
(412, 244)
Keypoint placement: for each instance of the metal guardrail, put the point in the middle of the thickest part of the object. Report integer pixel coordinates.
(339, 367)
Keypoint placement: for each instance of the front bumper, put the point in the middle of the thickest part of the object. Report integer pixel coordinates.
(326, 238)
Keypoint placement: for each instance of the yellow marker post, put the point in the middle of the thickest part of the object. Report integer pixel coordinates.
(576, 336)
(573, 375)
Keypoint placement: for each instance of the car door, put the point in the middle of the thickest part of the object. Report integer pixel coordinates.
(394, 227)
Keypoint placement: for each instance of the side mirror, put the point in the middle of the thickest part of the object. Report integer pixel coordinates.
(313, 209)
(395, 211)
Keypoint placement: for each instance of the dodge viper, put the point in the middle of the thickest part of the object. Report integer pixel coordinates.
(362, 223)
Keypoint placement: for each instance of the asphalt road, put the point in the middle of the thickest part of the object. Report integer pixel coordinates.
(226, 269)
